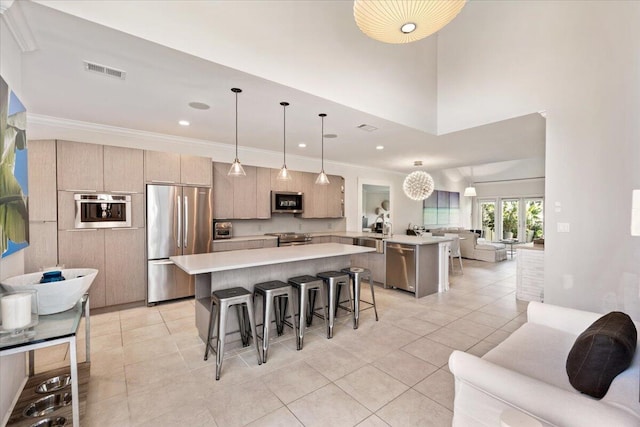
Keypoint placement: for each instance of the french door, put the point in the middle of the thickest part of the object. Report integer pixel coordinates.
(520, 218)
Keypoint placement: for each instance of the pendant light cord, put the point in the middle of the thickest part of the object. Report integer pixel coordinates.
(284, 133)
(236, 125)
(322, 138)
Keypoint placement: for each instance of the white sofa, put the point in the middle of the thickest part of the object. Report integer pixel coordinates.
(527, 372)
(472, 247)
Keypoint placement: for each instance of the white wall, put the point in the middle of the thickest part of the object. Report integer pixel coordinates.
(580, 62)
(12, 368)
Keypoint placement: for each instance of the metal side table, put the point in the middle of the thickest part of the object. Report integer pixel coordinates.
(54, 329)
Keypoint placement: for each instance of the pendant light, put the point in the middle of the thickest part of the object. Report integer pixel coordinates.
(284, 174)
(470, 191)
(322, 178)
(404, 21)
(236, 167)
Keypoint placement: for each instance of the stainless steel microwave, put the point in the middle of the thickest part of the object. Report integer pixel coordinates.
(286, 202)
(102, 210)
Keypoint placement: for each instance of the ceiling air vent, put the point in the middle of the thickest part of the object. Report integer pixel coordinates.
(367, 128)
(103, 69)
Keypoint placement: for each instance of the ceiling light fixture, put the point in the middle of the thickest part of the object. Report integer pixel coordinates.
(284, 174)
(236, 168)
(302, 145)
(380, 147)
(470, 191)
(404, 21)
(184, 123)
(322, 178)
(418, 185)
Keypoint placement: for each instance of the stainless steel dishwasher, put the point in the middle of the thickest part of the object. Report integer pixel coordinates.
(401, 266)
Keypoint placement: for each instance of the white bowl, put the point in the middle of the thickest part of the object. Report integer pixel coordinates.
(54, 297)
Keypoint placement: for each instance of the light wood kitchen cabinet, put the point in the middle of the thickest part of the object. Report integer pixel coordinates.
(222, 191)
(342, 240)
(373, 261)
(235, 245)
(161, 166)
(173, 168)
(245, 194)
(322, 201)
(294, 184)
(43, 246)
(79, 166)
(137, 210)
(42, 180)
(66, 210)
(123, 169)
(335, 197)
(246, 197)
(320, 239)
(263, 193)
(124, 265)
(85, 249)
(195, 170)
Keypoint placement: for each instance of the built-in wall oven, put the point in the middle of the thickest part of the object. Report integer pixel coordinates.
(102, 210)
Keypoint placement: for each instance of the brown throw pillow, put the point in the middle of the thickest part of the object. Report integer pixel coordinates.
(601, 352)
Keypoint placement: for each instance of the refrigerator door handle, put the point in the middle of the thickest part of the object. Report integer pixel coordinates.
(179, 208)
(186, 220)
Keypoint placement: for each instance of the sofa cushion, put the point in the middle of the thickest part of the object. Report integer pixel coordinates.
(601, 352)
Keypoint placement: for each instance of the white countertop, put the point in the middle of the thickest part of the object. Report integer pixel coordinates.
(416, 240)
(222, 261)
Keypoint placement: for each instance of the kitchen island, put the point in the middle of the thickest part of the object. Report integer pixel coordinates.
(417, 264)
(248, 267)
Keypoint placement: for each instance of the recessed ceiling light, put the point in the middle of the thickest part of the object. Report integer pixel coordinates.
(417, 163)
(379, 147)
(184, 123)
(199, 105)
(302, 145)
(330, 135)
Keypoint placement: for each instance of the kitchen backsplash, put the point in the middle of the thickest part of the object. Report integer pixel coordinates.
(286, 223)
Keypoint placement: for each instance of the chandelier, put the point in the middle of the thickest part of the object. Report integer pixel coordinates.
(418, 185)
(404, 21)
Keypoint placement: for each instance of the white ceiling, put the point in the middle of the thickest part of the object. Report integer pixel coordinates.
(161, 81)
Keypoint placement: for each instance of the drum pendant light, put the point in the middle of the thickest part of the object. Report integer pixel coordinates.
(322, 178)
(236, 168)
(284, 174)
(404, 21)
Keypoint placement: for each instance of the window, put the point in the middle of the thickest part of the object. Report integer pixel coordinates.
(518, 218)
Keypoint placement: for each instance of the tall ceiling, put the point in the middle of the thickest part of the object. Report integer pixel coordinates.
(308, 53)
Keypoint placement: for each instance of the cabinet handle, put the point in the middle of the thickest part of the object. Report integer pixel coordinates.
(123, 228)
(81, 190)
(81, 230)
(123, 192)
(162, 182)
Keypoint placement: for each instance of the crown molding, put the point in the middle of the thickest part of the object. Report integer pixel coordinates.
(49, 123)
(18, 26)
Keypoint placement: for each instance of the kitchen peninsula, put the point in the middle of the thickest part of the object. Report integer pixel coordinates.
(248, 267)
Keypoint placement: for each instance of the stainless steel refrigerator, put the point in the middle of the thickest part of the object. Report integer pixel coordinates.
(179, 222)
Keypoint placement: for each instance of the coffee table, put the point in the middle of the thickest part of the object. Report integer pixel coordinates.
(511, 242)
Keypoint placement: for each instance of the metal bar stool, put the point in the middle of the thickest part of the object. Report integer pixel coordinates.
(332, 281)
(306, 285)
(357, 274)
(225, 299)
(272, 293)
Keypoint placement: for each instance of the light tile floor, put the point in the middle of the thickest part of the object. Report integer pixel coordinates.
(148, 370)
